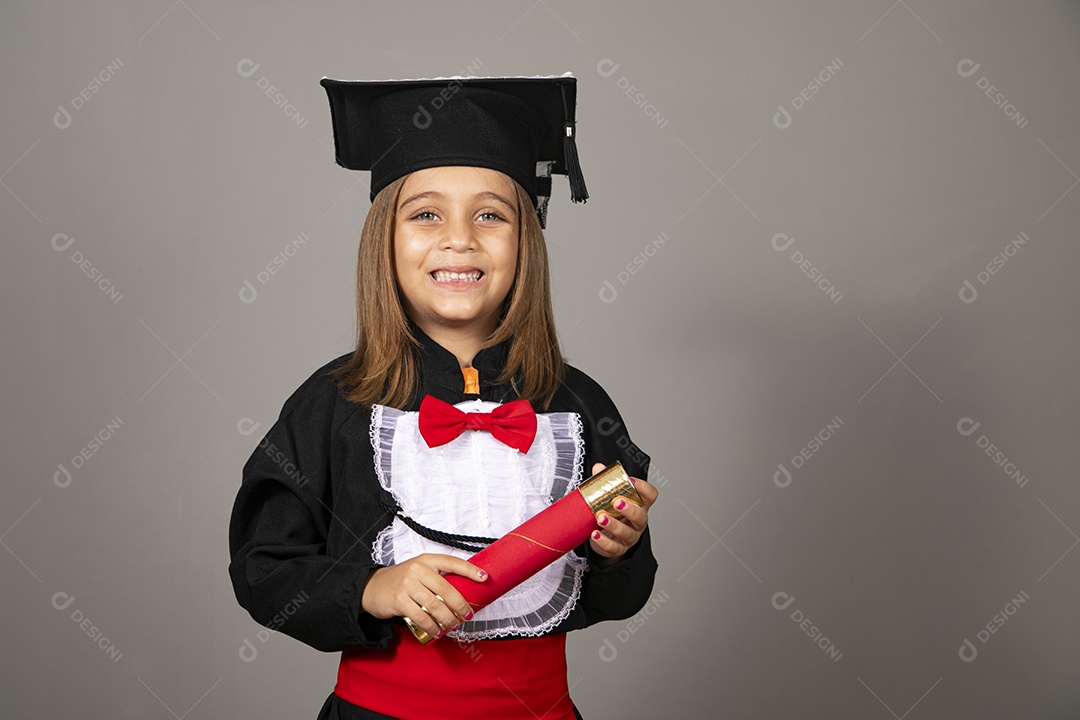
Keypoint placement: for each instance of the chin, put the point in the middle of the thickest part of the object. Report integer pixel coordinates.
(461, 319)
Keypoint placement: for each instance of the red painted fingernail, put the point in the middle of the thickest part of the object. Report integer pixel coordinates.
(596, 535)
(483, 574)
(604, 520)
(469, 616)
(620, 504)
(439, 635)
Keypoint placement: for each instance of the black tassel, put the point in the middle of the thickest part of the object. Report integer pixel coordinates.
(578, 192)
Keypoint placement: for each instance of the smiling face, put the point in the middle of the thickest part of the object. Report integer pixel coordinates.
(455, 248)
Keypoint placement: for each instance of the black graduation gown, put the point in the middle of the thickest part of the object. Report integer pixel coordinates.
(308, 509)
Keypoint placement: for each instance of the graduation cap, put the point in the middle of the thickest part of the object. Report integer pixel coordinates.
(521, 126)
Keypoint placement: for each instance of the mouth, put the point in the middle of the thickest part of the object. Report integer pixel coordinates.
(457, 276)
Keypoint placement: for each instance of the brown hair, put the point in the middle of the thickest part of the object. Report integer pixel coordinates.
(383, 368)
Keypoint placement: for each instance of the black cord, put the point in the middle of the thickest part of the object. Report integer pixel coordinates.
(471, 543)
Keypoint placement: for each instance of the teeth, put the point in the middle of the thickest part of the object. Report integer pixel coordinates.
(444, 276)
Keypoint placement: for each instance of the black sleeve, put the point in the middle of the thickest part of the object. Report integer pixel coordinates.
(619, 590)
(281, 570)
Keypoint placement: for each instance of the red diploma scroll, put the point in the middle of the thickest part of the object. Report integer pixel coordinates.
(542, 539)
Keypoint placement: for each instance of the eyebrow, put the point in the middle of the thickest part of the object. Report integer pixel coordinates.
(436, 195)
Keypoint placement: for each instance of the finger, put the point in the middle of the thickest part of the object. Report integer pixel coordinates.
(647, 491)
(620, 530)
(450, 564)
(440, 612)
(454, 602)
(461, 610)
(635, 514)
(630, 512)
(423, 620)
(604, 545)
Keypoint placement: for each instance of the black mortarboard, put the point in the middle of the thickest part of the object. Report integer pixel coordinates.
(521, 126)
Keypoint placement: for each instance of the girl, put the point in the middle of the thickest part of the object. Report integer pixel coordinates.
(350, 513)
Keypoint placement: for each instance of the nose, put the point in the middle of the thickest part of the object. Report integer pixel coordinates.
(459, 234)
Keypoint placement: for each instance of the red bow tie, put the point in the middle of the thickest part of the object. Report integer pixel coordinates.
(513, 423)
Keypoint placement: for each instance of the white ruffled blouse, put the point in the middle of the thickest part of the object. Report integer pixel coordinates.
(476, 485)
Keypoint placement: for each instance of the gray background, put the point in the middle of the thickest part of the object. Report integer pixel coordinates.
(178, 179)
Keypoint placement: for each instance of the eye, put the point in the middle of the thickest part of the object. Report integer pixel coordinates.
(492, 216)
(424, 215)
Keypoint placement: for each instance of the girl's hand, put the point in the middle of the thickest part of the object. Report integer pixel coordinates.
(613, 537)
(416, 589)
